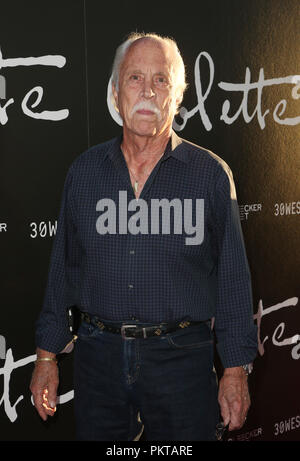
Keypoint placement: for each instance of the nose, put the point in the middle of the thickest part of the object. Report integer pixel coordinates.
(147, 91)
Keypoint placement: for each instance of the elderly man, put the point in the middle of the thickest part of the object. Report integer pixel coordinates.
(150, 288)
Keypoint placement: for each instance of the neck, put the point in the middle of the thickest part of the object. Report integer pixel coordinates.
(143, 149)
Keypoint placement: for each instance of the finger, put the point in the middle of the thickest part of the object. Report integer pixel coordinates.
(51, 395)
(225, 411)
(49, 408)
(38, 403)
(237, 415)
(237, 423)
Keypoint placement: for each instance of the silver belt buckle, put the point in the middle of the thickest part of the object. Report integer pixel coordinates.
(123, 333)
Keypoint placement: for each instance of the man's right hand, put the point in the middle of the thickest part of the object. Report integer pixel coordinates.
(44, 383)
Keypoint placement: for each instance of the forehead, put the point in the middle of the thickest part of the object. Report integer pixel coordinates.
(148, 54)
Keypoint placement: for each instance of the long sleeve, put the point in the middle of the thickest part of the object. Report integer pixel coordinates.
(52, 333)
(234, 325)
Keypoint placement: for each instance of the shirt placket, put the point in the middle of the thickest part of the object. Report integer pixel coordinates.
(134, 254)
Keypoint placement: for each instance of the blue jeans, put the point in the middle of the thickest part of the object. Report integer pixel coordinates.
(167, 382)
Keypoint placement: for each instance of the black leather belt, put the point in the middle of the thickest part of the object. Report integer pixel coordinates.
(131, 331)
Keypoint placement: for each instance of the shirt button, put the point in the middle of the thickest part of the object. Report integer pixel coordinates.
(130, 286)
(131, 252)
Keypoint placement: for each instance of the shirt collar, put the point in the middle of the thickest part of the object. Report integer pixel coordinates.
(175, 148)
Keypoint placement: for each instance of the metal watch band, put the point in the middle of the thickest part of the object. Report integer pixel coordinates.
(248, 368)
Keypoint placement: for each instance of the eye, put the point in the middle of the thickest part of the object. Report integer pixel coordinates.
(161, 81)
(135, 78)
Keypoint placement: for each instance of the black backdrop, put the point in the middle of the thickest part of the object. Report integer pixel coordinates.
(245, 52)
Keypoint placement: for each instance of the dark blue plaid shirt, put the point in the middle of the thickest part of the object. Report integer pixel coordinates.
(152, 277)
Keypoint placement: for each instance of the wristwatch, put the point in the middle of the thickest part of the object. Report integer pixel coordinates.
(248, 368)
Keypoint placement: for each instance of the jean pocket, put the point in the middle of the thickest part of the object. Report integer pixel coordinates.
(191, 338)
(87, 331)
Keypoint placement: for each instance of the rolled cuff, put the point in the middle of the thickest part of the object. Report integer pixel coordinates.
(52, 339)
(237, 351)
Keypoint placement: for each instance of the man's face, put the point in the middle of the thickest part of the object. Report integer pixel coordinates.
(147, 89)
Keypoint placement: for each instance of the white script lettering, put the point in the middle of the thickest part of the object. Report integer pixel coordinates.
(49, 60)
(243, 88)
(261, 312)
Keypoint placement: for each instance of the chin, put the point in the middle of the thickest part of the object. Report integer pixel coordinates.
(146, 131)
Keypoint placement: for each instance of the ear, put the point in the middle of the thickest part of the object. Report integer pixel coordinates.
(115, 95)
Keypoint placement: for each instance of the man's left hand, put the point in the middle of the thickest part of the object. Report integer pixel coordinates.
(234, 398)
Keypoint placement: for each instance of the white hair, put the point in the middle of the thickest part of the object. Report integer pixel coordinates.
(122, 50)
